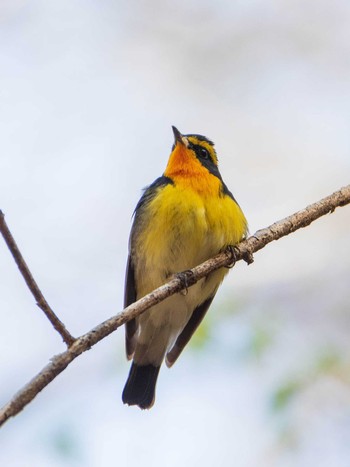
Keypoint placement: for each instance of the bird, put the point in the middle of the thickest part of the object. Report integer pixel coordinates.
(183, 218)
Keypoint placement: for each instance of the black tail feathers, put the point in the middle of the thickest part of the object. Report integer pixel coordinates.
(141, 386)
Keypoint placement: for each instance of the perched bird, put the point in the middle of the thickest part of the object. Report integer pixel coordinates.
(183, 218)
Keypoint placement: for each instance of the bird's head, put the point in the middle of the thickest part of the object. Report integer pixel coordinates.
(192, 154)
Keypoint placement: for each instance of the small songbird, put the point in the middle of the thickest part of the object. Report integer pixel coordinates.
(183, 218)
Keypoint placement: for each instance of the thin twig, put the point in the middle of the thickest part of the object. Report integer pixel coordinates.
(32, 285)
(244, 250)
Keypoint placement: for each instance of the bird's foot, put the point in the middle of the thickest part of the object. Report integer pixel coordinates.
(185, 279)
(232, 253)
(235, 253)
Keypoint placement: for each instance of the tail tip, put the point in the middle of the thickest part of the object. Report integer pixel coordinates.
(140, 387)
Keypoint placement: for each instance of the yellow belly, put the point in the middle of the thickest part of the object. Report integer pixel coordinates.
(181, 229)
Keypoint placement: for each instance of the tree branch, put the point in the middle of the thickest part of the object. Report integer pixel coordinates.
(244, 251)
(32, 285)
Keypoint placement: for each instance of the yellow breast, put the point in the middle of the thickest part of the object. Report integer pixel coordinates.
(188, 222)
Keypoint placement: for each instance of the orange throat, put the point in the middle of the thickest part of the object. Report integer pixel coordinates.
(187, 171)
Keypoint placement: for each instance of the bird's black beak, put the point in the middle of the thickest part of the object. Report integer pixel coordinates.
(179, 138)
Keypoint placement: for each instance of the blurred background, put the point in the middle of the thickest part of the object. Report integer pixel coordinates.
(88, 93)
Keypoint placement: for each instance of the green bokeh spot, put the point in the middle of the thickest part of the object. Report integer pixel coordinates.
(285, 394)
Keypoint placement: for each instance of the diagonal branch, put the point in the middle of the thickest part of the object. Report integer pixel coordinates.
(32, 285)
(244, 251)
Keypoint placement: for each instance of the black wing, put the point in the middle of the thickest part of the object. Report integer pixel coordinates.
(129, 298)
(188, 331)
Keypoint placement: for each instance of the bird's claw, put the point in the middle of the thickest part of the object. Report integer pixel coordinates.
(232, 252)
(185, 279)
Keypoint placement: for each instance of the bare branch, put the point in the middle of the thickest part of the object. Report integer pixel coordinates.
(244, 251)
(32, 285)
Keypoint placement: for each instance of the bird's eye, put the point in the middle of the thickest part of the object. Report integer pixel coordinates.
(204, 153)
